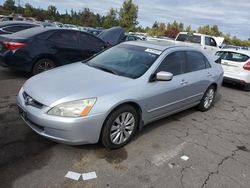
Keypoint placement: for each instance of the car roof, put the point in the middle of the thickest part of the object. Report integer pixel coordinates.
(8, 23)
(242, 51)
(159, 45)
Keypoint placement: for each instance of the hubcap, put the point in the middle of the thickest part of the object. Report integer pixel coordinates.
(209, 98)
(122, 128)
(44, 66)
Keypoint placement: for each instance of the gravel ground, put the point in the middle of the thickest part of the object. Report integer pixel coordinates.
(216, 142)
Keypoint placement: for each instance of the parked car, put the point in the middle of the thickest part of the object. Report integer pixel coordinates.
(117, 92)
(236, 65)
(39, 49)
(129, 37)
(9, 27)
(206, 42)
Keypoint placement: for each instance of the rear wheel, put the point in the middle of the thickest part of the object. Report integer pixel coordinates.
(119, 127)
(247, 87)
(207, 100)
(43, 65)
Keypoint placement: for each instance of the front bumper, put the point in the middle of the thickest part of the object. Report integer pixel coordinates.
(72, 131)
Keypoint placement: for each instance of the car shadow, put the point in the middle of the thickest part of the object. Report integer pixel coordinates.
(233, 86)
(6, 74)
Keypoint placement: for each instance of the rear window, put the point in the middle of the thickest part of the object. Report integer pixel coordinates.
(30, 32)
(232, 56)
(189, 38)
(16, 28)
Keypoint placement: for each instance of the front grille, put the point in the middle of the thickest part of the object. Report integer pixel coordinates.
(35, 126)
(32, 102)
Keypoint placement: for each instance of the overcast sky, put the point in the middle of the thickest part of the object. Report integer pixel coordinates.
(230, 15)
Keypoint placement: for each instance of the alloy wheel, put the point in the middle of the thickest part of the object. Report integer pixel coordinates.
(122, 128)
(209, 98)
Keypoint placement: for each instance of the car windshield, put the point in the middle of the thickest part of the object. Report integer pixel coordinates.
(189, 38)
(125, 60)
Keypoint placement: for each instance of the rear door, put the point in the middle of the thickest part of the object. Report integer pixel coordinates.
(198, 76)
(89, 45)
(65, 44)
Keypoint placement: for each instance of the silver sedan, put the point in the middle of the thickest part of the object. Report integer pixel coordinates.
(114, 94)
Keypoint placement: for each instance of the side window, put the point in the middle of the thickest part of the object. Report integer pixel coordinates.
(90, 42)
(208, 65)
(207, 41)
(65, 37)
(195, 61)
(237, 57)
(173, 63)
(213, 42)
(14, 29)
(210, 41)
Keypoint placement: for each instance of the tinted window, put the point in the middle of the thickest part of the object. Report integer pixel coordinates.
(189, 38)
(125, 60)
(173, 63)
(14, 29)
(210, 41)
(65, 37)
(195, 61)
(182, 37)
(35, 31)
(88, 41)
(233, 56)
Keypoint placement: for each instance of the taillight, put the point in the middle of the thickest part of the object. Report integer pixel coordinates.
(13, 45)
(247, 66)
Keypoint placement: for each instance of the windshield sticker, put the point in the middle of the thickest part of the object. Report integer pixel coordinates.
(157, 52)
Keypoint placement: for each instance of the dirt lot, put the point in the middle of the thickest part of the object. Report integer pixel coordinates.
(217, 144)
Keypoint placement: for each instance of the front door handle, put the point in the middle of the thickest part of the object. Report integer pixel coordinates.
(209, 74)
(183, 82)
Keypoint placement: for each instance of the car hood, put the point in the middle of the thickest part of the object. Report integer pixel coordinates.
(72, 82)
(112, 36)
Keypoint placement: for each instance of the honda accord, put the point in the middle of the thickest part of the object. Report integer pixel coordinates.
(114, 94)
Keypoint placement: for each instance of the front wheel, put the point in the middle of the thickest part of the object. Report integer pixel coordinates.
(119, 127)
(207, 100)
(43, 65)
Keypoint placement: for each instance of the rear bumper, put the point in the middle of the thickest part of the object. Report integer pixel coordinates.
(9, 60)
(234, 81)
(240, 78)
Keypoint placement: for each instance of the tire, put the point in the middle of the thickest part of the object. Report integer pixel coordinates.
(246, 87)
(115, 133)
(43, 65)
(207, 100)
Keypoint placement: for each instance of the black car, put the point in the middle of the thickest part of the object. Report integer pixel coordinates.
(38, 49)
(9, 27)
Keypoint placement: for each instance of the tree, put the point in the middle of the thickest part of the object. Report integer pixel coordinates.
(155, 25)
(28, 10)
(188, 29)
(9, 5)
(52, 12)
(128, 15)
(111, 19)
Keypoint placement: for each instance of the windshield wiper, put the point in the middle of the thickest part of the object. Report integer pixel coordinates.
(104, 69)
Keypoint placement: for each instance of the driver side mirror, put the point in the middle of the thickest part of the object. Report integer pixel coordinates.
(162, 76)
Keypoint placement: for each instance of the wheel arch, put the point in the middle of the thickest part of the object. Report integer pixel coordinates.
(43, 56)
(134, 104)
(215, 85)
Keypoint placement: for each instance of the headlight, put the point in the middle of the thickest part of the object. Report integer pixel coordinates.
(73, 109)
